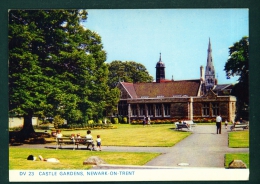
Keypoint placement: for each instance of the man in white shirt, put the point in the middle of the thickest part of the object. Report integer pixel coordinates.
(218, 124)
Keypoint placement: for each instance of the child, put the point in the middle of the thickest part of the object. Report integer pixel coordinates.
(59, 134)
(72, 137)
(98, 142)
(226, 124)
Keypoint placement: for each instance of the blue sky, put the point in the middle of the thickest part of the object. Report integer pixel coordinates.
(180, 35)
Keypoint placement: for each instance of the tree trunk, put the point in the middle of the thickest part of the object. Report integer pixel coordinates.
(27, 130)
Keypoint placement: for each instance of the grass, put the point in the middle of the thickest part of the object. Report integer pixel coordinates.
(239, 139)
(135, 135)
(123, 135)
(239, 156)
(70, 159)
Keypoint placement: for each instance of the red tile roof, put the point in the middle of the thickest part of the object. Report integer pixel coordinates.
(165, 89)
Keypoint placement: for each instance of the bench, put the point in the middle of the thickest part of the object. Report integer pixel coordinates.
(190, 122)
(243, 126)
(74, 141)
(180, 126)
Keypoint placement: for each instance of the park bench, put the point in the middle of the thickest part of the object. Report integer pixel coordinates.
(180, 126)
(190, 122)
(242, 125)
(74, 141)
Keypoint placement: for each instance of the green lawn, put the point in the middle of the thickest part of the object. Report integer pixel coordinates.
(123, 135)
(71, 159)
(136, 135)
(239, 156)
(239, 139)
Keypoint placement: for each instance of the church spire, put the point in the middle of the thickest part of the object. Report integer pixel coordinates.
(210, 71)
(209, 47)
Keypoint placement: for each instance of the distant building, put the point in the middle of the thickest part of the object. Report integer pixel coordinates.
(184, 99)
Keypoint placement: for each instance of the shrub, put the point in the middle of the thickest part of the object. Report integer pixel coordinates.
(108, 120)
(58, 121)
(16, 128)
(115, 120)
(90, 121)
(120, 119)
(124, 120)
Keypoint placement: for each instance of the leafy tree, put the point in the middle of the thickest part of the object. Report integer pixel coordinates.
(56, 67)
(128, 71)
(238, 65)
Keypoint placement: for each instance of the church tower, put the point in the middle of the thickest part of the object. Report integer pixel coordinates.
(209, 71)
(160, 72)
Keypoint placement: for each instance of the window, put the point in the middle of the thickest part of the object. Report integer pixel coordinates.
(142, 110)
(144, 96)
(150, 109)
(134, 110)
(215, 109)
(122, 108)
(160, 96)
(167, 110)
(158, 110)
(205, 109)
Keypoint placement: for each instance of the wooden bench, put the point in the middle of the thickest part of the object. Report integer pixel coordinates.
(180, 126)
(74, 141)
(243, 126)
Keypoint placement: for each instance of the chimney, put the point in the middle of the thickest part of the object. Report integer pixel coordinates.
(201, 73)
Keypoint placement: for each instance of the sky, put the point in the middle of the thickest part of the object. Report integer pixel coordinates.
(180, 35)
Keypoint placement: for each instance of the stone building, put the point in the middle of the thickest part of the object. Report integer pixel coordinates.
(197, 99)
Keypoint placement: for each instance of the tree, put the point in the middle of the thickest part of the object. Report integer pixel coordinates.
(238, 65)
(128, 71)
(56, 67)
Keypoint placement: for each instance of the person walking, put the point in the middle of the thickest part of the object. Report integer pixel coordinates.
(98, 142)
(218, 124)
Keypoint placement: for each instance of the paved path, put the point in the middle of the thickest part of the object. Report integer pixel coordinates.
(204, 148)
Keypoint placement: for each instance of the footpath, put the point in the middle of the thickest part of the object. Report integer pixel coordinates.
(204, 148)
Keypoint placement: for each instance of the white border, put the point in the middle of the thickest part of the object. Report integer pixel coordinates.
(184, 174)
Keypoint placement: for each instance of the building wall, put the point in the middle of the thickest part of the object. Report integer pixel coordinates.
(18, 121)
(179, 110)
(185, 108)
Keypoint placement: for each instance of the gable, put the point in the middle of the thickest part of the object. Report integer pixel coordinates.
(127, 90)
(211, 95)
